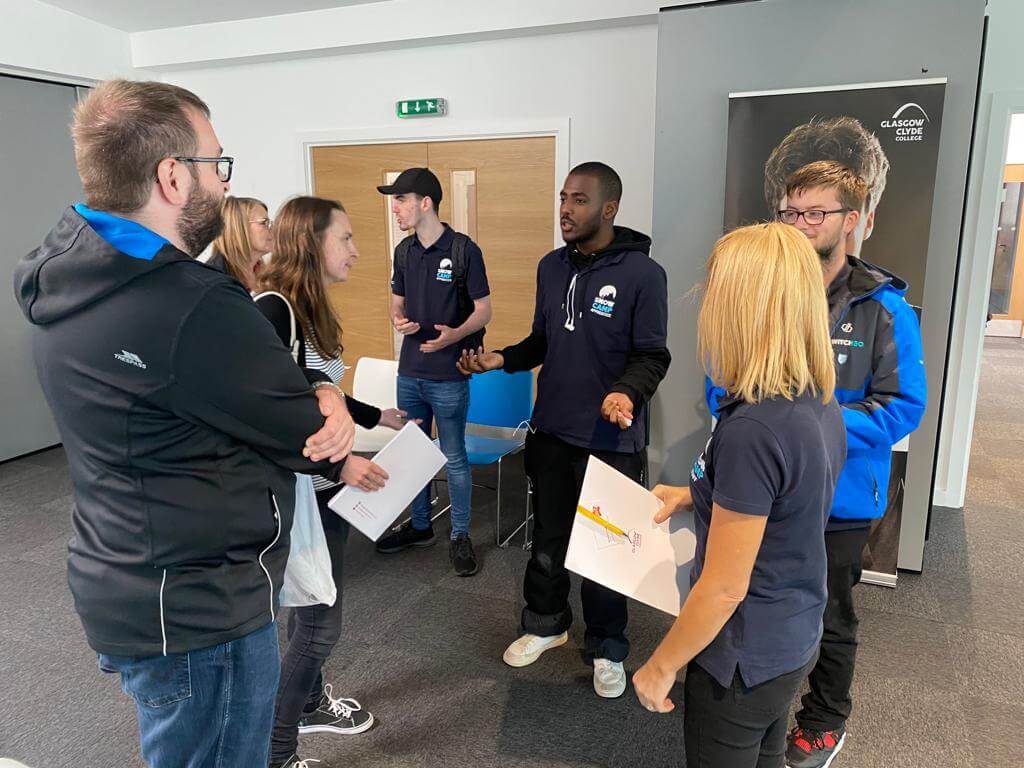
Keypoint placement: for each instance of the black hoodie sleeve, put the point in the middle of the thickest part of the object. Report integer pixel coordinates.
(276, 311)
(365, 415)
(234, 374)
(649, 357)
(645, 369)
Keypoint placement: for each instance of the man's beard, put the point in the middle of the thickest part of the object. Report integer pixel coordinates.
(200, 221)
(826, 252)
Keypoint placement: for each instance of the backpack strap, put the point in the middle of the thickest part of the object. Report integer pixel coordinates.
(402, 252)
(295, 345)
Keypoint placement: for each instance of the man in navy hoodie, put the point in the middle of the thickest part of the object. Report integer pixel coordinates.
(599, 329)
(881, 386)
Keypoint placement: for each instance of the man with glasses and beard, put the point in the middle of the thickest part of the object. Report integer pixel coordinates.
(183, 417)
(599, 329)
(881, 386)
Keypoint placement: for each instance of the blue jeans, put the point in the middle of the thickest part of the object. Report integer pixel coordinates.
(447, 402)
(211, 708)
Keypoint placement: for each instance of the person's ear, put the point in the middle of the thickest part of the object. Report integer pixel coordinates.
(850, 224)
(869, 224)
(610, 210)
(170, 181)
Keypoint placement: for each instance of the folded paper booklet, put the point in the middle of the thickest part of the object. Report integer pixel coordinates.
(411, 460)
(647, 562)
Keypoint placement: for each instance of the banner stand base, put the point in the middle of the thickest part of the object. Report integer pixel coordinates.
(879, 579)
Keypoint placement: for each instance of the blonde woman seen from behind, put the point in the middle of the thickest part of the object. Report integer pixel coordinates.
(761, 492)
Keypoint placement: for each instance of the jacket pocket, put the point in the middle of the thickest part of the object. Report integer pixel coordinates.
(270, 546)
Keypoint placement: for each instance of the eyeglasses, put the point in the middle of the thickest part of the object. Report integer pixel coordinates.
(813, 217)
(264, 221)
(224, 164)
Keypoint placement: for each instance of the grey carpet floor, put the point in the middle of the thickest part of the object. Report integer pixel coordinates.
(939, 679)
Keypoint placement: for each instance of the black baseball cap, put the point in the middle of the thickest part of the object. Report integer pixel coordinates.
(420, 181)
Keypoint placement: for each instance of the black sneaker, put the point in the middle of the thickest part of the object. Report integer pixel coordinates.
(813, 749)
(463, 558)
(338, 716)
(405, 537)
(295, 762)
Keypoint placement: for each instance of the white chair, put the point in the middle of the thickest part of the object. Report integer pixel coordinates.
(376, 383)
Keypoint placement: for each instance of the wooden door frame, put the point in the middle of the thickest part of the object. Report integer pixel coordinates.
(429, 130)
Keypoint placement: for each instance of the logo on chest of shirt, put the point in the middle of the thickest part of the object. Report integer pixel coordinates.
(130, 358)
(604, 302)
(444, 271)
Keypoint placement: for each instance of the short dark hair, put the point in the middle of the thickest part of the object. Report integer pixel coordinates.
(607, 179)
(122, 130)
(433, 203)
(842, 139)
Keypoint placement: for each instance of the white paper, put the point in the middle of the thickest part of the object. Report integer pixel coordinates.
(653, 564)
(411, 460)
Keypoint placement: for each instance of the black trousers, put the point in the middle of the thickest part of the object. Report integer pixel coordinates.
(556, 470)
(313, 631)
(737, 727)
(827, 705)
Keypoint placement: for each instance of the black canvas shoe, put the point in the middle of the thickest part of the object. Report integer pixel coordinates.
(342, 717)
(463, 558)
(813, 749)
(405, 537)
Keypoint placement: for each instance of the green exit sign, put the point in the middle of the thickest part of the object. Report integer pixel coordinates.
(421, 108)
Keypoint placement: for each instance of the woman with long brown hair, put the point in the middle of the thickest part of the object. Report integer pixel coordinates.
(313, 249)
(243, 242)
(761, 491)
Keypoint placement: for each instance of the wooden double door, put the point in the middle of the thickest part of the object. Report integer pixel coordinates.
(501, 192)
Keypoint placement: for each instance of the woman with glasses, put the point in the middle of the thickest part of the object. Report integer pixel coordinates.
(313, 250)
(761, 492)
(244, 241)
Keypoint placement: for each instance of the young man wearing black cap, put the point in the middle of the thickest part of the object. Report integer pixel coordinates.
(440, 303)
(599, 329)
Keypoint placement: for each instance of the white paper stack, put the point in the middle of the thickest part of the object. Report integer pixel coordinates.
(653, 564)
(411, 460)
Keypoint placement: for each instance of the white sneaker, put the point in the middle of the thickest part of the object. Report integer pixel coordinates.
(528, 648)
(609, 678)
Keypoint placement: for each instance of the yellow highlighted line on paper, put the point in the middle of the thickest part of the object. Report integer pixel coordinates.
(601, 521)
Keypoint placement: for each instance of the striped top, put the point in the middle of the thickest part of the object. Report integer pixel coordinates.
(333, 367)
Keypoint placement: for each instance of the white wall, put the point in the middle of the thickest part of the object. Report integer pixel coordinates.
(1015, 150)
(1003, 72)
(601, 80)
(40, 40)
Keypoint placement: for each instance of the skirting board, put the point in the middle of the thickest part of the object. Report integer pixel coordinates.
(879, 579)
(1010, 328)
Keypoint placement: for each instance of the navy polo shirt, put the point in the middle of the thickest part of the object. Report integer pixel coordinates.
(431, 298)
(780, 459)
(592, 320)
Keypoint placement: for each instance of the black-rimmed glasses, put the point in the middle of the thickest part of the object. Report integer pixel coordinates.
(813, 217)
(224, 164)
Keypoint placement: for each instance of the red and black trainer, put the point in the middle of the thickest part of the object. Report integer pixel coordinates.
(813, 749)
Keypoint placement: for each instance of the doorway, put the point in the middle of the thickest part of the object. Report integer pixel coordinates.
(500, 192)
(1006, 294)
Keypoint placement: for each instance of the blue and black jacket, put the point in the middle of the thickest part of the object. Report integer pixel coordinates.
(880, 383)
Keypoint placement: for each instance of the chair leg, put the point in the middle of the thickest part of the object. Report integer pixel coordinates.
(497, 519)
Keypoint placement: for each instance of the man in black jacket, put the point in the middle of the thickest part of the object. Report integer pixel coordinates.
(183, 417)
(599, 329)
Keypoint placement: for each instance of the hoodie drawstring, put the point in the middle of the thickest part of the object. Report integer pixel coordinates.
(570, 305)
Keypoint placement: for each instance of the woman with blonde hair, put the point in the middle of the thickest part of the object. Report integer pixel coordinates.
(761, 492)
(244, 241)
(314, 249)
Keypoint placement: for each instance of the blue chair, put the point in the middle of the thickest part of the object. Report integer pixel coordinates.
(498, 400)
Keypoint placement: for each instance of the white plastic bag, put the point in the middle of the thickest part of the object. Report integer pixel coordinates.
(307, 577)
